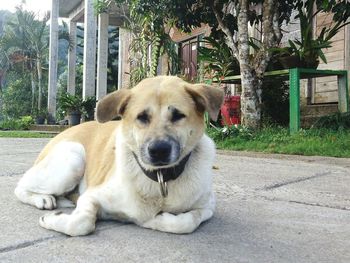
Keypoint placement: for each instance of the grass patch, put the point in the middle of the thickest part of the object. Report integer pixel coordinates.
(321, 142)
(24, 134)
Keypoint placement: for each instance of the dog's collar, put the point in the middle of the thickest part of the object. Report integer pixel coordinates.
(168, 174)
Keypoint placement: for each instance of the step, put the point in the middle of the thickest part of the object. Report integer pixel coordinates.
(319, 109)
(308, 121)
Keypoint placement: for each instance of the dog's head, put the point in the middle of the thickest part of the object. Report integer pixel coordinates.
(162, 117)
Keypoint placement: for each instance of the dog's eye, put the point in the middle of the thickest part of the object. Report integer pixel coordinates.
(143, 117)
(177, 115)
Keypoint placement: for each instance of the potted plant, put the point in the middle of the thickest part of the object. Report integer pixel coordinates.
(72, 106)
(307, 51)
(88, 106)
(40, 116)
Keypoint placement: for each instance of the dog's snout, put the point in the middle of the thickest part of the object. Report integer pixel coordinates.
(159, 151)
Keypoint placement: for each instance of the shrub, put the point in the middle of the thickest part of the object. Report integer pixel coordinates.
(227, 132)
(275, 99)
(16, 98)
(17, 124)
(70, 103)
(88, 107)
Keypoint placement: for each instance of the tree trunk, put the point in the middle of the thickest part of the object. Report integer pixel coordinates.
(250, 99)
(252, 65)
(40, 75)
(33, 90)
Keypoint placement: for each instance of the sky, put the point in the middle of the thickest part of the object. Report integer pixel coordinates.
(39, 6)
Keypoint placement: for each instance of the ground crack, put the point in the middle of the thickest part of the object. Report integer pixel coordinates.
(320, 205)
(11, 175)
(25, 244)
(344, 208)
(41, 240)
(277, 185)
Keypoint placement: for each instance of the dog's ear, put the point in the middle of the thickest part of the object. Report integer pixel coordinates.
(112, 105)
(207, 98)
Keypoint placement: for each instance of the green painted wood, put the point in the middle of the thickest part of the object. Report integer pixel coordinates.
(322, 71)
(294, 100)
(305, 73)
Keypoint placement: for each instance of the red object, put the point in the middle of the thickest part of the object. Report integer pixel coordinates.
(231, 111)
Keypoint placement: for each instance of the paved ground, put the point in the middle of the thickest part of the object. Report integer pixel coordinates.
(269, 209)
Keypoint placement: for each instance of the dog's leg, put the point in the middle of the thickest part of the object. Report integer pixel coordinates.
(180, 224)
(80, 222)
(58, 173)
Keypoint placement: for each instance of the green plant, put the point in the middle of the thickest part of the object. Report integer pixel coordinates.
(309, 49)
(17, 124)
(275, 102)
(321, 142)
(150, 28)
(218, 57)
(88, 107)
(42, 113)
(26, 122)
(230, 132)
(25, 134)
(70, 103)
(24, 50)
(15, 97)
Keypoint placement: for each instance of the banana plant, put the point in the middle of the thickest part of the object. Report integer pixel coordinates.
(218, 58)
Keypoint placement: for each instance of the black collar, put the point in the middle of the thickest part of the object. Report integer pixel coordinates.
(169, 174)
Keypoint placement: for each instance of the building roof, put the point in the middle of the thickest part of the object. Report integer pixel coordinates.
(74, 9)
(66, 7)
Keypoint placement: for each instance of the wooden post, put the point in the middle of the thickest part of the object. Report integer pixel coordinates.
(89, 70)
(343, 96)
(72, 58)
(53, 57)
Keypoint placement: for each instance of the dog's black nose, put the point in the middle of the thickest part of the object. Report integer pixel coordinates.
(159, 151)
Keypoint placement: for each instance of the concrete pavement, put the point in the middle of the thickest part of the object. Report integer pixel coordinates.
(269, 209)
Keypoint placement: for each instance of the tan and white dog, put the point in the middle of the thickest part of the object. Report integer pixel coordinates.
(152, 168)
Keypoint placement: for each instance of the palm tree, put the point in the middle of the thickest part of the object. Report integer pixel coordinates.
(25, 45)
(15, 47)
(39, 43)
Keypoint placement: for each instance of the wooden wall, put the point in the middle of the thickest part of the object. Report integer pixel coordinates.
(325, 90)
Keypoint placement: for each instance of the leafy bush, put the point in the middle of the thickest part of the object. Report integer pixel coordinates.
(17, 124)
(16, 98)
(42, 113)
(229, 132)
(88, 107)
(218, 57)
(70, 103)
(275, 103)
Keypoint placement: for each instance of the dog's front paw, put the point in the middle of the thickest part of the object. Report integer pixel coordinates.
(71, 225)
(48, 221)
(43, 201)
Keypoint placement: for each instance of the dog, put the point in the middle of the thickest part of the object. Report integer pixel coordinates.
(153, 167)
